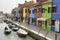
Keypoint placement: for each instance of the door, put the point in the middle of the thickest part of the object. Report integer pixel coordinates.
(39, 24)
(57, 26)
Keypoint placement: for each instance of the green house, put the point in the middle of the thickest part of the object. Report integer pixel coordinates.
(46, 6)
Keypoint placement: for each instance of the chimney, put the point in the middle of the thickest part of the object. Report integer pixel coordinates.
(37, 1)
(25, 1)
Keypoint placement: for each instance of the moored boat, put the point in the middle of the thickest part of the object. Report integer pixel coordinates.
(11, 26)
(7, 30)
(22, 33)
(15, 29)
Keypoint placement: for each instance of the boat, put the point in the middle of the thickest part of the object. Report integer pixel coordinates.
(11, 26)
(22, 33)
(7, 30)
(15, 29)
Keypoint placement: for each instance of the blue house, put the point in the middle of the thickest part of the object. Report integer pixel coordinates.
(31, 16)
(55, 15)
(16, 14)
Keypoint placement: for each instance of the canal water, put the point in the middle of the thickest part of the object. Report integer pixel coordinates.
(12, 36)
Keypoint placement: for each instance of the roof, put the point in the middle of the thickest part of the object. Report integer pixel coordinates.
(48, 1)
(26, 4)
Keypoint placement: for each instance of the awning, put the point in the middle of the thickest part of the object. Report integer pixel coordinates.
(42, 19)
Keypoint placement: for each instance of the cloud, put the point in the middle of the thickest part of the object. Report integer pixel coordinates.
(7, 5)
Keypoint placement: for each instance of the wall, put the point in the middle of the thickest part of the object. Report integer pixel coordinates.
(56, 15)
(46, 14)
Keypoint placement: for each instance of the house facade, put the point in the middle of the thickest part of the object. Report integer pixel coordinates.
(56, 15)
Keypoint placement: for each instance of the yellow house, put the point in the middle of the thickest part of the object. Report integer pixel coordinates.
(24, 15)
(25, 10)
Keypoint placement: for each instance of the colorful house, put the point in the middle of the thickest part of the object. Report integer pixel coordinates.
(20, 8)
(56, 15)
(37, 13)
(46, 15)
(15, 12)
(24, 15)
(21, 15)
(31, 16)
(27, 5)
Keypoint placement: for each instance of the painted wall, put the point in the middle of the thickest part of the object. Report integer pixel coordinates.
(31, 15)
(24, 15)
(31, 12)
(46, 14)
(55, 1)
(56, 15)
(38, 12)
(16, 13)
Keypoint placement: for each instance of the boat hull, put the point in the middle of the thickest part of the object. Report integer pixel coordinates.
(22, 33)
(15, 29)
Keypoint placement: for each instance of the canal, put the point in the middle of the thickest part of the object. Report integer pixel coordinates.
(12, 36)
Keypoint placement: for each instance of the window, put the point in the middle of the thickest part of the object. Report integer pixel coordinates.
(33, 20)
(46, 23)
(39, 21)
(42, 10)
(39, 9)
(49, 22)
(28, 20)
(49, 9)
(53, 22)
(54, 9)
(20, 11)
(14, 11)
(33, 11)
(29, 11)
(25, 10)
(21, 18)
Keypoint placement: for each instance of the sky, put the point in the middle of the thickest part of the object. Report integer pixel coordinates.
(7, 5)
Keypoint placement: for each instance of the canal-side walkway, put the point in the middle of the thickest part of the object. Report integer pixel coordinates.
(49, 35)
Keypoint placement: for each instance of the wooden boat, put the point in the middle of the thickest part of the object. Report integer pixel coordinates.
(15, 29)
(7, 30)
(22, 33)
